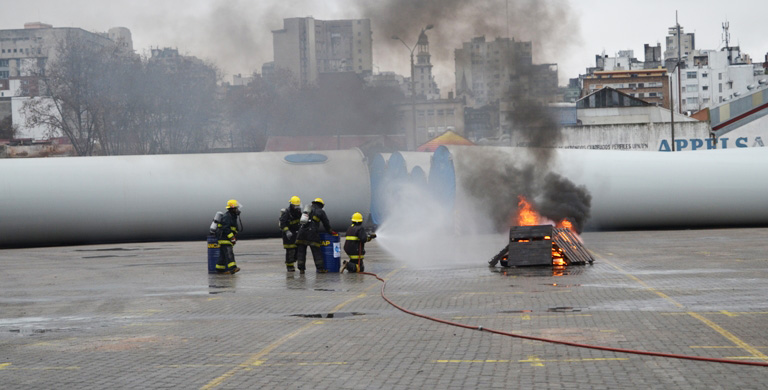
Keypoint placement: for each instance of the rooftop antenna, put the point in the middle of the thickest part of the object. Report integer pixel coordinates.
(727, 39)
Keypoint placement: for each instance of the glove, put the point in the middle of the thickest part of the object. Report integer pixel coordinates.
(333, 233)
(373, 235)
(233, 240)
(288, 234)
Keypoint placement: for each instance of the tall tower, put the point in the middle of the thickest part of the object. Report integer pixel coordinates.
(422, 70)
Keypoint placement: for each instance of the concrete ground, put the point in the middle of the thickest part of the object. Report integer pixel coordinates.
(148, 316)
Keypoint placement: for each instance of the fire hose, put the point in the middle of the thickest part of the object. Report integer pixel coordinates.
(568, 343)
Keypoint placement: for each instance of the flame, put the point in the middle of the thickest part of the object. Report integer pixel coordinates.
(565, 224)
(557, 256)
(526, 215)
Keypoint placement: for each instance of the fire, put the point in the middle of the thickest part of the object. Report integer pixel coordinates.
(526, 215)
(565, 224)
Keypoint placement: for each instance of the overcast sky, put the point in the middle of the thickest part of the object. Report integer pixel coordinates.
(236, 34)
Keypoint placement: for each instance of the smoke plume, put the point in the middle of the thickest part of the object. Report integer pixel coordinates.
(492, 180)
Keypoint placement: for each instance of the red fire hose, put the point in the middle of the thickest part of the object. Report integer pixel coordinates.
(611, 349)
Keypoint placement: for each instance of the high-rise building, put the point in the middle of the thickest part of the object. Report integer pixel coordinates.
(489, 71)
(308, 47)
(687, 44)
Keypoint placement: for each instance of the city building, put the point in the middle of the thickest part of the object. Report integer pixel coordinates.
(710, 77)
(490, 71)
(24, 55)
(424, 85)
(433, 118)
(687, 45)
(308, 47)
(23, 52)
(650, 85)
(390, 80)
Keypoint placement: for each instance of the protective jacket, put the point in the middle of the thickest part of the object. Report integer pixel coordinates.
(309, 233)
(354, 246)
(227, 228)
(289, 222)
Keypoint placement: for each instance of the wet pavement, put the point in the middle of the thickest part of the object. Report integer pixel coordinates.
(147, 315)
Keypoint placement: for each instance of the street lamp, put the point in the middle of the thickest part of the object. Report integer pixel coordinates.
(412, 139)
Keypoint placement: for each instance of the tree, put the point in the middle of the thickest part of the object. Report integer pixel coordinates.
(107, 101)
(70, 99)
(7, 129)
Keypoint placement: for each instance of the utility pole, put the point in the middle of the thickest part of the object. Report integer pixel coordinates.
(679, 57)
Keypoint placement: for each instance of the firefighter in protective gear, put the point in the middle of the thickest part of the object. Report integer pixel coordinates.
(354, 246)
(289, 224)
(226, 233)
(309, 235)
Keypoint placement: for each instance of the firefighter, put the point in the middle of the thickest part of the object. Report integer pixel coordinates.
(354, 246)
(289, 224)
(226, 233)
(309, 235)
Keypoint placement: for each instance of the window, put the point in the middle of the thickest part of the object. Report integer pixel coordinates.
(633, 86)
(4, 63)
(431, 112)
(720, 87)
(704, 75)
(4, 74)
(719, 76)
(441, 112)
(449, 112)
(705, 87)
(692, 88)
(692, 100)
(691, 75)
(420, 112)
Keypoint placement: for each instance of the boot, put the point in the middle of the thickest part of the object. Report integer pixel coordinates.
(234, 270)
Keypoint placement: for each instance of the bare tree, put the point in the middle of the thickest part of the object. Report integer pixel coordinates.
(70, 100)
(7, 129)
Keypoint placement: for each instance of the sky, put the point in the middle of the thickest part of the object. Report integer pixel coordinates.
(236, 34)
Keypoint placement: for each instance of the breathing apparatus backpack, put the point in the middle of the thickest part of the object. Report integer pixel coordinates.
(216, 221)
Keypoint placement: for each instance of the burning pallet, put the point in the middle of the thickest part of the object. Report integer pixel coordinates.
(542, 245)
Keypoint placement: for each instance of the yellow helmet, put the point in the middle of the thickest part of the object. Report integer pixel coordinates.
(318, 200)
(357, 217)
(232, 204)
(295, 200)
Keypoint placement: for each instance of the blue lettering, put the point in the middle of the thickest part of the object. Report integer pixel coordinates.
(664, 146)
(681, 144)
(724, 142)
(711, 143)
(758, 142)
(696, 143)
(741, 142)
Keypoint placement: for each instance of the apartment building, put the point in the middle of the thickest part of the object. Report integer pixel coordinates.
(308, 47)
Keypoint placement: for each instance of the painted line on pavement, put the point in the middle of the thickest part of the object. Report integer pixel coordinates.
(756, 354)
(256, 359)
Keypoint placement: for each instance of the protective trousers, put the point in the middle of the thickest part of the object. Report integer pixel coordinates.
(290, 257)
(317, 256)
(226, 261)
(356, 266)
